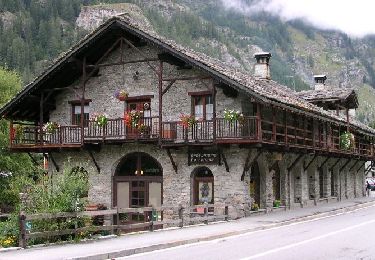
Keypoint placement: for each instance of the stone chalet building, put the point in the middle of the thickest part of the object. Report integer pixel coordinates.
(286, 147)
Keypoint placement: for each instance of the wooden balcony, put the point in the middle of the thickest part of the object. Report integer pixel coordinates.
(324, 137)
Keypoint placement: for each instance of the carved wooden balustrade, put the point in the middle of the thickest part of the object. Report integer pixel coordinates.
(320, 136)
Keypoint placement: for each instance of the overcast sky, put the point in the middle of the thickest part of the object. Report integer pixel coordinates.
(356, 18)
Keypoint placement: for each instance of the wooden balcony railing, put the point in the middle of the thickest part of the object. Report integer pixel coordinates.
(321, 136)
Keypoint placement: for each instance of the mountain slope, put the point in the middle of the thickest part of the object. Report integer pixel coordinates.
(35, 31)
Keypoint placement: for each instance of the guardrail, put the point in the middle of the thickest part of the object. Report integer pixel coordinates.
(200, 213)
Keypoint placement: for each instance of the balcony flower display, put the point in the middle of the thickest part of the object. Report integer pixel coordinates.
(143, 129)
(187, 120)
(100, 119)
(50, 127)
(232, 116)
(346, 141)
(121, 94)
(133, 117)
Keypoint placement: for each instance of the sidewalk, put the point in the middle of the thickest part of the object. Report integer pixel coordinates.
(145, 242)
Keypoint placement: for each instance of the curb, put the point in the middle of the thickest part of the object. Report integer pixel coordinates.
(132, 251)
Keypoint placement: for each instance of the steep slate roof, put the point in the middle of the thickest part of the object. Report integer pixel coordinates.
(345, 96)
(267, 91)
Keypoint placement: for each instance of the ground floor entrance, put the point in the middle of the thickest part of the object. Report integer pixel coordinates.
(138, 183)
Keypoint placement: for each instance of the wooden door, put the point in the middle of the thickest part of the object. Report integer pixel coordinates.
(144, 108)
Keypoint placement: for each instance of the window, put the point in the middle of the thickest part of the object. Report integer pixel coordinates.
(76, 113)
(203, 107)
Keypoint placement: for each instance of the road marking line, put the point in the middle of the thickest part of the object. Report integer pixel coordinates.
(307, 241)
(244, 234)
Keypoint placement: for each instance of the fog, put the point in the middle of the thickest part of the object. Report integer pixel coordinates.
(354, 18)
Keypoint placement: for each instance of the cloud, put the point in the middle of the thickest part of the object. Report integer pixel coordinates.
(356, 18)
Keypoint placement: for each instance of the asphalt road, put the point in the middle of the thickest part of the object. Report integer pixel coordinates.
(347, 236)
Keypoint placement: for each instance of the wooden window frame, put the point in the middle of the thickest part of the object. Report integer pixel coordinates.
(75, 103)
(201, 94)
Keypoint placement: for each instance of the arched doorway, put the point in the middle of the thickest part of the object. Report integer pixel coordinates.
(255, 183)
(202, 186)
(276, 182)
(137, 183)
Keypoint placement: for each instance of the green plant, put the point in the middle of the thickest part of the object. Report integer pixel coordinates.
(346, 140)
(255, 207)
(276, 203)
(18, 132)
(100, 119)
(231, 116)
(121, 94)
(9, 232)
(143, 129)
(50, 127)
(187, 120)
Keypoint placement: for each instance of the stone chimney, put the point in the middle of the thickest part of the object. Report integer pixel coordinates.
(320, 82)
(262, 67)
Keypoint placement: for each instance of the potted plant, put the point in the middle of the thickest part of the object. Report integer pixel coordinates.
(276, 203)
(232, 116)
(133, 117)
(187, 120)
(50, 127)
(255, 207)
(121, 95)
(143, 129)
(17, 132)
(100, 119)
(346, 140)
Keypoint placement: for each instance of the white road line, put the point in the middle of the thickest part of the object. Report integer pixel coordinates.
(307, 241)
(245, 234)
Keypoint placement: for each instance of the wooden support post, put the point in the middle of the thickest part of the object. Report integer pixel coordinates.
(33, 159)
(225, 161)
(294, 163)
(83, 100)
(12, 133)
(334, 165)
(285, 129)
(347, 162)
(362, 165)
(308, 165)
(118, 230)
(160, 84)
(214, 114)
(41, 120)
(168, 87)
(54, 162)
(248, 164)
(93, 160)
(347, 120)
(152, 219)
(206, 213)
(313, 133)
(181, 216)
(172, 161)
(259, 119)
(351, 168)
(22, 226)
(325, 161)
(273, 124)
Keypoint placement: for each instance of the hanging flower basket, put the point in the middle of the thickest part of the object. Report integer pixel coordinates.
(132, 118)
(346, 141)
(100, 119)
(232, 116)
(121, 95)
(187, 120)
(50, 127)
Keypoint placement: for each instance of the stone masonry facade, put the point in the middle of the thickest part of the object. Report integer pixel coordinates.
(298, 187)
